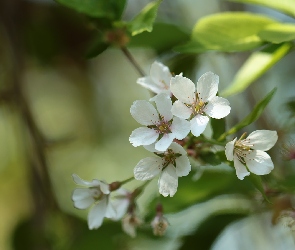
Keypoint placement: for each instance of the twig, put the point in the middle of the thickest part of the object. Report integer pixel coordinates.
(133, 62)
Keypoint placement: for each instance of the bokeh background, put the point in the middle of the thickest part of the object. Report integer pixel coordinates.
(59, 107)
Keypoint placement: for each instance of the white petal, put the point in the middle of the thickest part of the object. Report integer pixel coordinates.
(176, 148)
(181, 110)
(121, 206)
(81, 182)
(198, 124)
(143, 136)
(148, 83)
(111, 212)
(263, 139)
(164, 142)
(180, 128)
(207, 86)
(183, 166)
(164, 105)
(104, 187)
(259, 162)
(150, 148)
(82, 198)
(229, 149)
(183, 89)
(97, 213)
(168, 181)
(144, 112)
(241, 170)
(148, 168)
(217, 107)
(160, 74)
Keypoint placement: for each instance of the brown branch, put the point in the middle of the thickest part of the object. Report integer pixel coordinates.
(133, 62)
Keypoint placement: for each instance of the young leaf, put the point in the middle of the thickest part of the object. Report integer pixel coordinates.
(96, 47)
(278, 33)
(111, 9)
(286, 6)
(161, 38)
(255, 66)
(191, 47)
(253, 116)
(145, 19)
(230, 31)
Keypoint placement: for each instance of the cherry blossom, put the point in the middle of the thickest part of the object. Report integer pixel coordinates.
(250, 152)
(198, 103)
(159, 79)
(161, 125)
(95, 194)
(169, 164)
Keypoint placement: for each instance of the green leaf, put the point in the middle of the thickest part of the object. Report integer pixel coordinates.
(111, 9)
(278, 33)
(163, 37)
(286, 6)
(210, 158)
(218, 127)
(96, 47)
(191, 47)
(253, 116)
(255, 66)
(145, 19)
(256, 181)
(230, 31)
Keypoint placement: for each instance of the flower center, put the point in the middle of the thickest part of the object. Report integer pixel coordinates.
(162, 127)
(242, 148)
(197, 107)
(96, 193)
(169, 158)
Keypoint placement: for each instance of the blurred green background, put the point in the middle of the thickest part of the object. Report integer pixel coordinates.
(81, 106)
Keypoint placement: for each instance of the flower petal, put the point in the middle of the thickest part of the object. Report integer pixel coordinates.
(259, 162)
(97, 213)
(207, 86)
(104, 187)
(144, 112)
(148, 83)
(111, 212)
(198, 124)
(183, 89)
(164, 142)
(168, 181)
(217, 107)
(148, 168)
(160, 74)
(143, 136)
(176, 148)
(81, 182)
(121, 206)
(229, 149)
(164, 105)
(82, 198)
(241, 170)
(180, 128)
(262, 139)
(183, 166)
(181, 110)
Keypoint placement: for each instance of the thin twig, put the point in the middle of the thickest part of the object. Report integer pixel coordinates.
(132, 60)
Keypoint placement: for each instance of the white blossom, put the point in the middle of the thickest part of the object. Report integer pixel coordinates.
(159, 79)
(161, 125)
(96, 194)
(170, 165)
(121, 202)
(196, 103)
(250, 152)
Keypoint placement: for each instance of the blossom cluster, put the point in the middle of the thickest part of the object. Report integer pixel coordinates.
(168, 120)
(178, 112)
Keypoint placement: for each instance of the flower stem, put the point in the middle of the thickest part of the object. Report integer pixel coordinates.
(211, 141)
(127, 180)
(132, 60)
